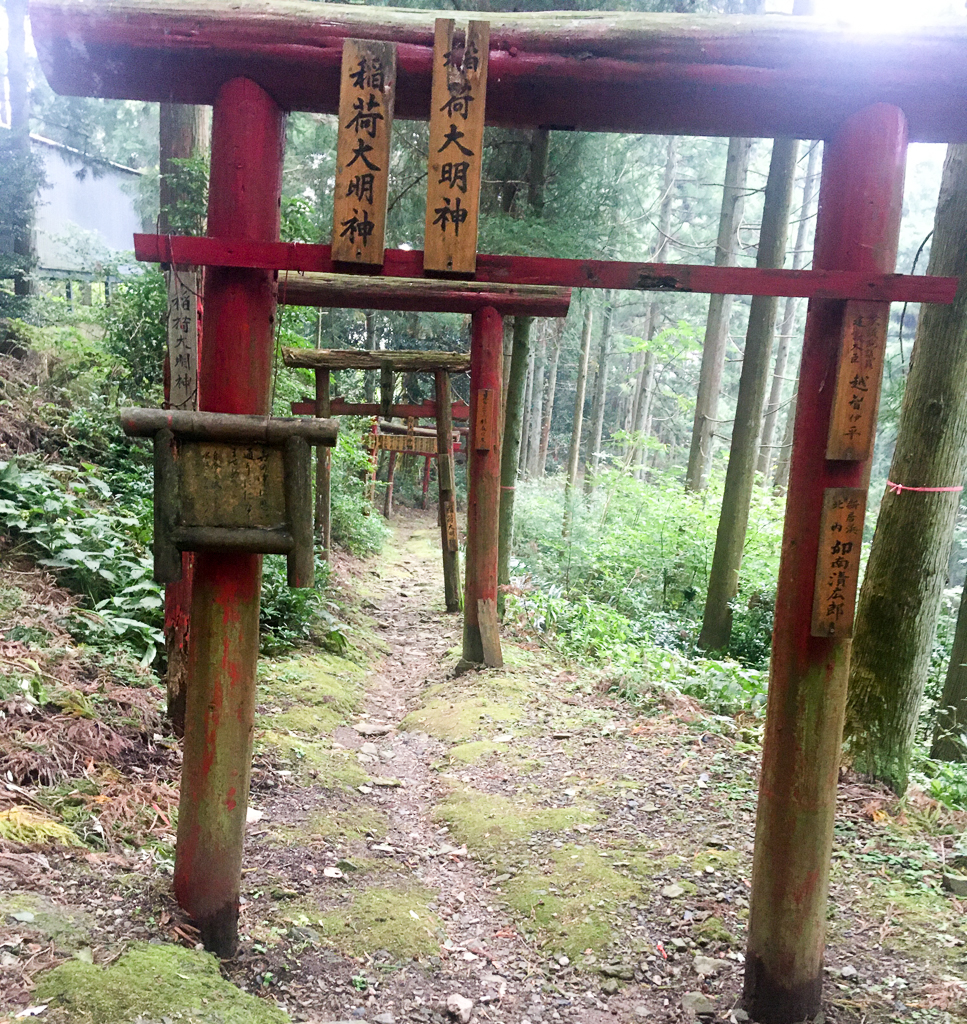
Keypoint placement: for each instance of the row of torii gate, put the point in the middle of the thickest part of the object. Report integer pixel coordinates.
(865, 94)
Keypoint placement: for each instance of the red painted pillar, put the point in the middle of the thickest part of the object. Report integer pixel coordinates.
(857, 228)
(248, 136)
(483, 477)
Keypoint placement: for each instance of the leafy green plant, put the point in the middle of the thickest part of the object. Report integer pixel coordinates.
(135, 332)
(95, 548)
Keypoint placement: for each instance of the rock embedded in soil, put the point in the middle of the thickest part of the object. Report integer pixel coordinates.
(706, 965)
(459, 1007)
(695, 1004)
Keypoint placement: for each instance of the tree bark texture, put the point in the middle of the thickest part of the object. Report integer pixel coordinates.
(781, 480)
(592, 457)
(578, 422)
(788, 322)
(896, 615)
(510, 445)
(717, 324)
(723, 583)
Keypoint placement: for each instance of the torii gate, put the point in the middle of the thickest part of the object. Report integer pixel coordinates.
(338, 290)
(863, 93)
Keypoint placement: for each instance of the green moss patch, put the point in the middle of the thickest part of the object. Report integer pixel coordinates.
(712, 929)
(323, 691)
(570, 904)
(720, 860)
(151, 982)
(487, 822)
(397, 920)
(471, 753)
(66, 927)
(349, 824)
(333, 769)
(470, 708)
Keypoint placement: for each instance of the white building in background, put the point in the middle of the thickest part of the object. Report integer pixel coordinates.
(86, 215)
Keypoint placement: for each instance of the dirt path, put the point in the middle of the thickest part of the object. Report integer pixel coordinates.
(519, 839)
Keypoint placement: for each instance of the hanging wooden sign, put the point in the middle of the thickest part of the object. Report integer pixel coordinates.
(852, 424)
(485, 425)
(182, 338)
(838, 564)
(366, 96)
(401, 443)
(458, 95)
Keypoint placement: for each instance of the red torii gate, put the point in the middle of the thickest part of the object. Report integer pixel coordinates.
(862, 93)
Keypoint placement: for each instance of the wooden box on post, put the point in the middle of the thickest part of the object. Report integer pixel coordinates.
(231, 483)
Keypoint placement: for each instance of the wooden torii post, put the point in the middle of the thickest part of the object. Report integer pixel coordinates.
(441, 365)
(400, 294)
(864, 92)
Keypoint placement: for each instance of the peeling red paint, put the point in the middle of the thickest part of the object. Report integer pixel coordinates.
(857, 230)
(246, 175)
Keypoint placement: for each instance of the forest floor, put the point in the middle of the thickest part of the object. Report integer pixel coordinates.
(518, 843)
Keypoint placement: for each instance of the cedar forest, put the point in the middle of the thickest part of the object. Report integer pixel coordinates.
(645, 461)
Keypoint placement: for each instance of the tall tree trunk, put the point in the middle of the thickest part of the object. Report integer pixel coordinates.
(640, 406)
(23, 238)
(781, 480)
(535, 412)
(951, 724)
(578, 421)
(369, 378)
(717, 324)
(723, 581)
(896, 616)
(521, 460)
(788, 322)
(509, 448)
(537, 172)
(549, 402)
(592, 457)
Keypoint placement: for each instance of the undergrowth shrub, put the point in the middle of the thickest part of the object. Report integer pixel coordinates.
(633, 570)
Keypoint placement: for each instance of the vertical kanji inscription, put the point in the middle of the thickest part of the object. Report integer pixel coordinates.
(182, 338)
(838, 564)
(852, 423)
(456, 148)
(366, 96)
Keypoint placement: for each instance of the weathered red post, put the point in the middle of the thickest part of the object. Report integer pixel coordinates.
(857, 229)
(483, 482)
(245, 188)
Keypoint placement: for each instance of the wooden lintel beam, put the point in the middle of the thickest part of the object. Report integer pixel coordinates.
(589, 71)
(360, 359)
(351, 291)
(291, 258)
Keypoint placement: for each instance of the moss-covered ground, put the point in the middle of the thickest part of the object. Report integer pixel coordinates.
(549, 849)
(155, 982)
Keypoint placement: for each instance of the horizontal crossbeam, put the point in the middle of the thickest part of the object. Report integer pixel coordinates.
(413, 361)
(584, 70)
(421, 295)
(293, 258)
(340, 407)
